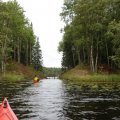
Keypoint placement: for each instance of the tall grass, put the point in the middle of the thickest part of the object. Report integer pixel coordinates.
(94, 78)
(13, 77)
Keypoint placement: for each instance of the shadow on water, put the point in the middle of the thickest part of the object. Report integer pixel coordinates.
(54, 99)
(93, 102)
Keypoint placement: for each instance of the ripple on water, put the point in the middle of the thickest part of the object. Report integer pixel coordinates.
(55, 100)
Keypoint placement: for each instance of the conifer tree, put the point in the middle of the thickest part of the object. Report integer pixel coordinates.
(37, 56)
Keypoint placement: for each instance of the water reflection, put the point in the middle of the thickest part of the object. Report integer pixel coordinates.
(53, 99)
(42, 101)
(87, 103)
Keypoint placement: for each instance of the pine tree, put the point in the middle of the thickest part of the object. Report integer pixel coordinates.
(37, 56)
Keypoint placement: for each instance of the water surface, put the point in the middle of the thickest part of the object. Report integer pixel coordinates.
(54, 99)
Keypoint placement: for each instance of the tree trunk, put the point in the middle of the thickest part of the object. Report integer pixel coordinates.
(73, 58)
(18, 51)
(84, 55)
(78, 57)
(96, 59)
(27, 54)
(30, 54)
(3, 61)
(14, 53)
(91, 58)
(107, 53)
(78, 54)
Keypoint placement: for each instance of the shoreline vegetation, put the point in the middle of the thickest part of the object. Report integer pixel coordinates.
(18, 72)
(80, 74)
(20, 50)
(82, 79)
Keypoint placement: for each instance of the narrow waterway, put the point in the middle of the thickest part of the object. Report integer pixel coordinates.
(54, 99)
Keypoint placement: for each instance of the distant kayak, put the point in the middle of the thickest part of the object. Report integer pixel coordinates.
(6, 113)
(35, 81)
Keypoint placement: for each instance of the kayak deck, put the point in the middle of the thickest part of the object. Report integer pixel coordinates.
(6, 113)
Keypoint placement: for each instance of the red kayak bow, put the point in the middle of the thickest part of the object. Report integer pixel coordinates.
(35, 81)
(6, 113)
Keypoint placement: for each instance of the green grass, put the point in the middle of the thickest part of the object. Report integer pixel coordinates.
(94, 81)
(90, 78)
(13, 77)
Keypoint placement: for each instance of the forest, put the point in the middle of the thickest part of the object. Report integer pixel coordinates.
(51, 72)
(18, 42)
(91, 35)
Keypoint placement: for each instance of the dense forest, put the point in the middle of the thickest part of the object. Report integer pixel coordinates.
(52, 72)
(18, 42)
(91, 34)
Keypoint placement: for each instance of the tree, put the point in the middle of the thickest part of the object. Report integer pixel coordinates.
(114, 32)
(37, 56)
(16, 35)
(89, 29)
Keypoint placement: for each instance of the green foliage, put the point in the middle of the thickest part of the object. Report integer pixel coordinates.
(52, 72)
(61, 46)
(37, 56)
(17, 38)
(93, 29)
(114, 30)
(92, 78)
(13, 77)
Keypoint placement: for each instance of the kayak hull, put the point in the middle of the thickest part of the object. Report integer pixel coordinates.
(6, 113)
(35, 81)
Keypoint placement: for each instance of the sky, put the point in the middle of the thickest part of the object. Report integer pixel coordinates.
(44, 14)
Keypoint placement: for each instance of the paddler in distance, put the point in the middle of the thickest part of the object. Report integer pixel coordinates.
(36, 79)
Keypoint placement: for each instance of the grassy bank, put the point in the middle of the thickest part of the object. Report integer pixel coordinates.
(94, 78)
(83, 74)
(13, 77)
(19, 72)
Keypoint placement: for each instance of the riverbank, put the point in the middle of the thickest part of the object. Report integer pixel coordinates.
(19, 72)
(83, 74)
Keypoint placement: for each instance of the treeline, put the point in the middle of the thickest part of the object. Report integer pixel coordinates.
(18, 42)
(51, 72)
(91, 33)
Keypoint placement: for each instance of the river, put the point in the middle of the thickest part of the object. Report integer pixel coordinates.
(55, 99)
